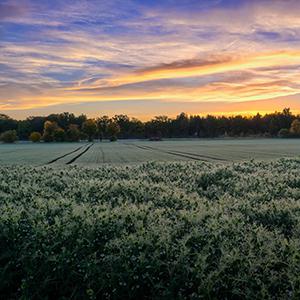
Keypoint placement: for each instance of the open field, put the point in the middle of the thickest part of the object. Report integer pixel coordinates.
(134, 151)
(177, 219)
(179, 230)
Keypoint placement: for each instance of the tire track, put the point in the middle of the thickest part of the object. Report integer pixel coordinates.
(184, 154)
(205, 156)
(169, 152)
(62, 156)
(180, 154)
(80, 154)
(103, 155)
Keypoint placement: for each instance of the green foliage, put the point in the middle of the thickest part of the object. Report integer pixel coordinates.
(151, 231)
(9, 136)
(284, 132)
(159, 127)
(295, 127)
(89, 127)
(59, 135)
(35, 137)
(49, 129)
(102, 124)
(53, 133)
(7, 123)
(47, 137)
(113, 129)
(73, 133)
(24, 129)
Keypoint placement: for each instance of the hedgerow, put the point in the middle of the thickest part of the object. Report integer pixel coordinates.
(151, 231)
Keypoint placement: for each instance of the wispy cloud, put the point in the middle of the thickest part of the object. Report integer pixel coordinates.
(55, 52)
(10, 10)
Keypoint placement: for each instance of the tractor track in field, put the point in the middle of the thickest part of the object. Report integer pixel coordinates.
(204, 156)
(194, 156)
(62, 156)
(99, 157)
(175, 153)
(103, 155)
(80, 154)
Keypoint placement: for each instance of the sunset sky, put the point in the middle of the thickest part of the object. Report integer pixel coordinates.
(149, 57)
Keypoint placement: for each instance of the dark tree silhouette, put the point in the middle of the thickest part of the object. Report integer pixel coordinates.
(160, 126)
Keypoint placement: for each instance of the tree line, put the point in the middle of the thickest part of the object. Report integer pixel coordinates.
(68, 127)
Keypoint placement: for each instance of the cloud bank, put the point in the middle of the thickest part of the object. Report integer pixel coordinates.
(63, 53)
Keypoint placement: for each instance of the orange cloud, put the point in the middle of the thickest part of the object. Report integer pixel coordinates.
(196, 68)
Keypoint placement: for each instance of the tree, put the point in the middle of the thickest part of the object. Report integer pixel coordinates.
(180, 125)
(9, 136)
(283, 133)
(73, 133)
(239, 126)
(64, 119)
(7, 123)
(89, 127)
(37, 123)
(35, 137)
(49, 129)
(210, 126)
(195, 126)
(158, 127)
(295, 127)
(59, 135)
(278, 120)
(24, 129)
(258, 126)
(113, 130)
(136, 128)
(80, 120)
(124, 124)
(102, 124)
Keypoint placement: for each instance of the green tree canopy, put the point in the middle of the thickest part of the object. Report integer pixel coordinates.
(9, 136)
(89, 127)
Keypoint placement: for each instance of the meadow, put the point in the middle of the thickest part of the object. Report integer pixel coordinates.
(177, 219)
(181, 230)
(136, 151)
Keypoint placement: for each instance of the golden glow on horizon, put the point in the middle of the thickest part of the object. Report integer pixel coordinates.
(97, 53)
(244, 113)
(251, 90)
(205, 95)
(114, 90)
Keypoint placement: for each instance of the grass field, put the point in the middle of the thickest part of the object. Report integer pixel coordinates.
(179, 230)
(177, 219)
(131, 151)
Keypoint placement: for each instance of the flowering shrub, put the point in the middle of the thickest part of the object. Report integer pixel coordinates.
(154, 231)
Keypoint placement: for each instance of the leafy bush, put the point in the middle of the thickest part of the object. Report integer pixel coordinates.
(284, 133)
(151, 231)
(9, 136)
(35, 137)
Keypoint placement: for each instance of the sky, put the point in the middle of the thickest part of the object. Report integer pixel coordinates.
(149, 57)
